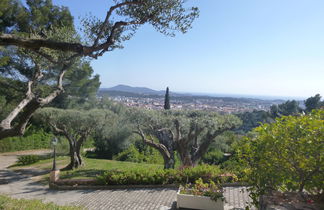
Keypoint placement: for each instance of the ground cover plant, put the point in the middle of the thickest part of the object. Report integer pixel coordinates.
(8, 203)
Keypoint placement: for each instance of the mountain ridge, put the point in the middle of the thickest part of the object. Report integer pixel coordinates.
(136, 90)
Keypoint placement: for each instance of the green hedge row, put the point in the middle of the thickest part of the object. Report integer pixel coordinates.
(36, 140)
(161, 176)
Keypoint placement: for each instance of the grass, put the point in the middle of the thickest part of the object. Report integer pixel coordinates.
(91, 169)
(8, 203)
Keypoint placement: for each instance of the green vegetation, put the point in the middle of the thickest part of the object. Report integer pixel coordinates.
(91, 169)
(313, 102)
(32, 140)
(76, 126)
(8, 203)
(138, 176)
(27, 159)
(132, 154)
(167, 99)
(286, 155)
(55, 49)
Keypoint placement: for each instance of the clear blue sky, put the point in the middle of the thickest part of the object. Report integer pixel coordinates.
(252, 47)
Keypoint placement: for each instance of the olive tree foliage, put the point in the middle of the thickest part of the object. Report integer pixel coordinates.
(61, 45)
(114, 136)
(190, 133)
(286, 155)
(76, 126)
(120, 23)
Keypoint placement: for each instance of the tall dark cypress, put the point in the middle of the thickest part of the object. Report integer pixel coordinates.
(167, 99)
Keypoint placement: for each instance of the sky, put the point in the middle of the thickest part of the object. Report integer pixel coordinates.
(248, 47)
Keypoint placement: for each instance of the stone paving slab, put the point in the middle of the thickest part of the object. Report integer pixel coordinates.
(145, 199)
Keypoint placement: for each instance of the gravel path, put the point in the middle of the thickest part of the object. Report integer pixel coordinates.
(24, 185)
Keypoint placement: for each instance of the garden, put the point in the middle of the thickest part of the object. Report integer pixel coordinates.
(273, 159)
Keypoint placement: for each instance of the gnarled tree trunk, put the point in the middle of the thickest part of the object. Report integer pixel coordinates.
(165, 146)
(75, 157)
(26, 108)
(189, 148)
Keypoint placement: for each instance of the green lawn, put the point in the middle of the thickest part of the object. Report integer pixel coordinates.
(91, 169)
(8, 203)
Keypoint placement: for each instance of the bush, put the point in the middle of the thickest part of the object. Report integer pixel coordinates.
(286, 155)
(161, 176)
(27, 159)
(132, 154)
(213, 157)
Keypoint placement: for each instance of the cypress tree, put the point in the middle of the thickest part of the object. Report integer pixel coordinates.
(167, 99)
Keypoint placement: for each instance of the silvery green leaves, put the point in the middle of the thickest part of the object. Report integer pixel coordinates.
(124, 18)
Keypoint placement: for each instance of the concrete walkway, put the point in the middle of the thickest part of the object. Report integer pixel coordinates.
(24, 185)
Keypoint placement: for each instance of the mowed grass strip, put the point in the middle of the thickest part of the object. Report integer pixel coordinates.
(8, 203)
(91, 168)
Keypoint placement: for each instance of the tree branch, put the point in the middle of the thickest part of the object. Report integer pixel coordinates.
(6, 123)
(160, 147)
(106, 21)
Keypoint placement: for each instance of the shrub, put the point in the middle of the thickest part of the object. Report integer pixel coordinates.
(27, 159)
(132, 154)
(161, 176)
(213, 157)
(286, 155)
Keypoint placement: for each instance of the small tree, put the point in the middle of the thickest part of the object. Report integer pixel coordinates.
(167, 99)
(76, 126)
(286, 155)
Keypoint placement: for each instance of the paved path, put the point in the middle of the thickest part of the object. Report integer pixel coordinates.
(23, 185)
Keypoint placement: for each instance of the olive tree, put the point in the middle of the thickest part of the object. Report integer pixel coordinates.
(152, 126)
(76, 126)
(189, 133)
(195, 131)
(61, 46)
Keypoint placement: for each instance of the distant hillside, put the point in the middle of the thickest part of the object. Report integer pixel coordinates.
(136, 90)
(144, 92)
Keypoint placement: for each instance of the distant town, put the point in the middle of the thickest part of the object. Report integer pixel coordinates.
(151, 99)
